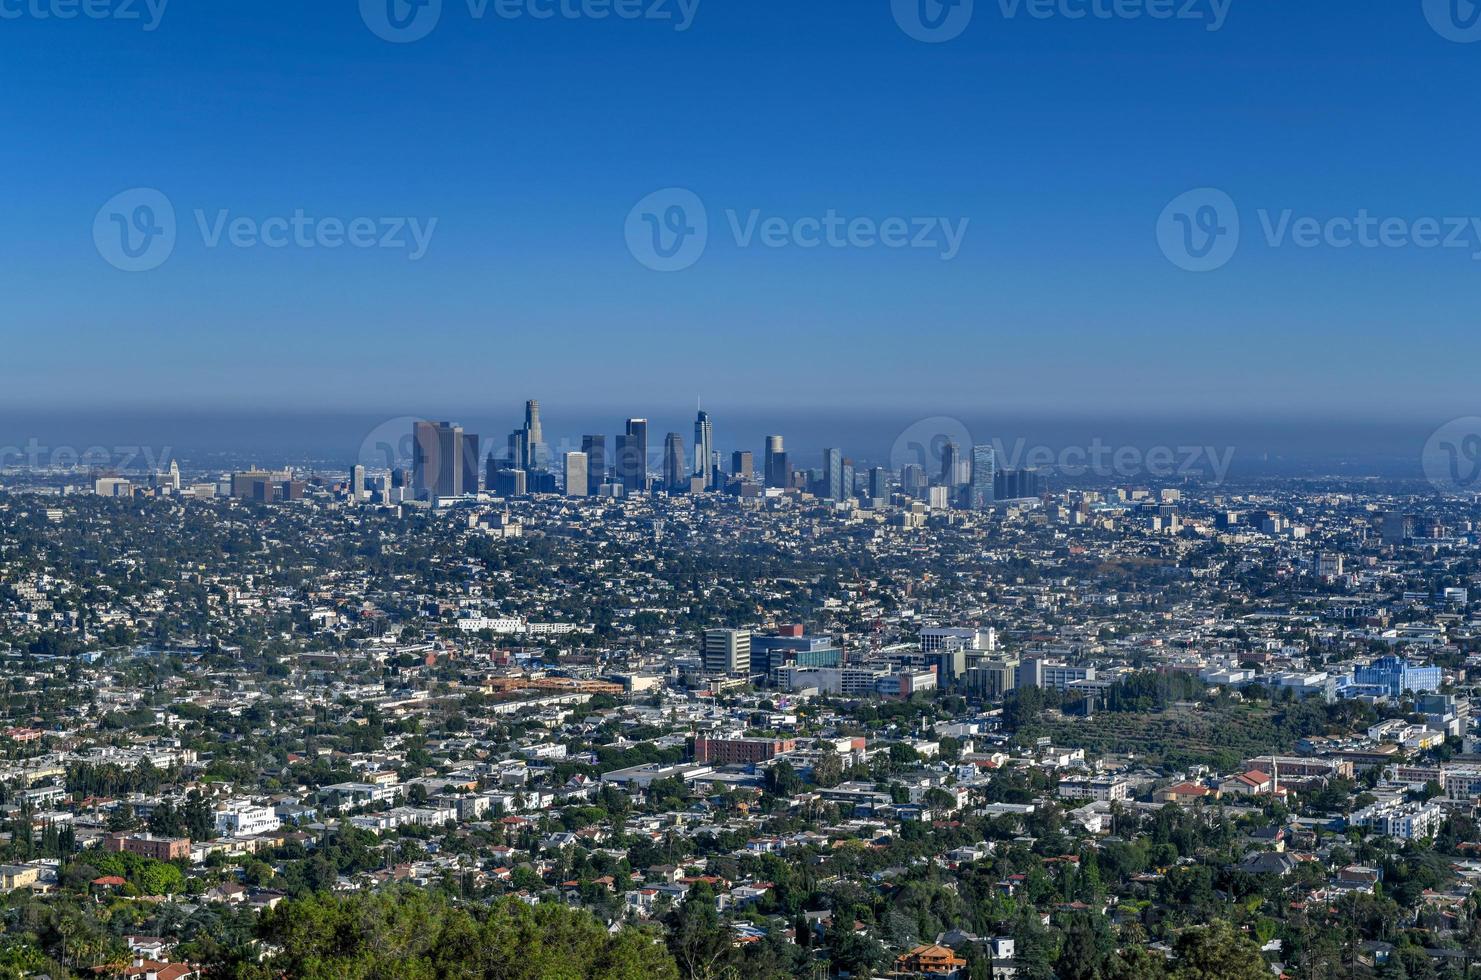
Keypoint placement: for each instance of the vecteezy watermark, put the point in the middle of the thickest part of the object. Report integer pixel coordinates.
(1455, 20)
(928, 444)
(148, 13)
(1452, 456)
(35, 456)
(935, 21)
(1199, 231)
(941, 444)
(405, 21)
(136, 231)
(1107, 461)
(668, 230)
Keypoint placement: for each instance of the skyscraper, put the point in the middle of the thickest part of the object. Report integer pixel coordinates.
(742, 464)
(913, 479)
(704, 439)
(595, 448)
(775, 462)
(468, 456)
(675, 476)
(533, 439)
(632, 455)
(879, 483)
(833, 474)
(984, 472)
(357, 482)
(439, 468)
(576, 475)
(950, 463)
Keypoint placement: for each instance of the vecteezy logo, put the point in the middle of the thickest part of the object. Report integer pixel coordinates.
(924, 444)
(390, 446)
(1452, 457)
(932, 21)
(135, 230)
(401, 21)
(667, 230)
(1455, 20)
(1199, 231)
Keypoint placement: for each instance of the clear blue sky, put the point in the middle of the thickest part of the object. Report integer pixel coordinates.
(529, 141)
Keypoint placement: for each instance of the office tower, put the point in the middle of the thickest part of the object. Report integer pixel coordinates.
(533, 442)
(1017, 484)
(519, 450)
(727, 651)
(470, 464)
(913, 479)
(577, 484)
(833, 474)
(742, 464)
(595, 448)
(492, 466)
(438, 465)
(849, 485)
(704, 448)
(675, 476)
(632, 455)
(1396, 527)
(775, 461)
(879, 483)
(951, 455)
(984, 475)
(510, 483)
(357, 482)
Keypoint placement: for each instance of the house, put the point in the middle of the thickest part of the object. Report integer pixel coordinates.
(1184, 793)
(1252, 783)
(931, 961)
(1267, 863)
(13, 876)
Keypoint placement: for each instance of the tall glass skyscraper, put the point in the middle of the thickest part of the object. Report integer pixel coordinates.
(533, 439)
(984, 472)
(675, 474)
(704, 448)
(833, 474)
(632, 455)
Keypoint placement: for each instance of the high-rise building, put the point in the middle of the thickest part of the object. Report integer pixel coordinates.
(357, 482)
(519, 450)
(533, 439)
(879, 483)
(469, 457)
(913, 479)
(439, 467)
(951, 458)
(984, 473)
(704, 449)
(727, 651)
(595, 448)
(775, 462)
(576, 470)
(833, 474)
(742, 464)
(632, 455)
(675, 475)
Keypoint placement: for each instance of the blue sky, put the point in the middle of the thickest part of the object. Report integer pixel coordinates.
(1059, 141)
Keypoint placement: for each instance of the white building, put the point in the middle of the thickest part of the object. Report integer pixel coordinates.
(240, 818)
